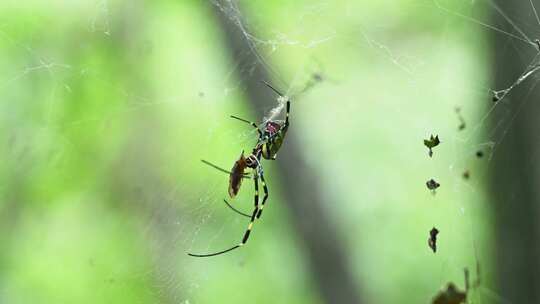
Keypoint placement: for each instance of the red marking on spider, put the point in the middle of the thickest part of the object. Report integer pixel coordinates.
(272, 127)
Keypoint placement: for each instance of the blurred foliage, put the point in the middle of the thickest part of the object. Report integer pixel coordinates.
(106, 108)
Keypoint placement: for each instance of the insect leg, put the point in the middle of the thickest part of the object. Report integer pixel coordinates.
(245, 175)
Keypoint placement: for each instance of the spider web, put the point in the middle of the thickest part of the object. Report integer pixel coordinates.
(107, 112)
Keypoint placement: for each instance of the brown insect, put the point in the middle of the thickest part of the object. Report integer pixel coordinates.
(237, 175)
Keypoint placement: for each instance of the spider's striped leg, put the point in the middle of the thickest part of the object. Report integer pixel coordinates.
(256, 198)
(253, 215)
(256, 201)
(249, 122)
(265, 194)
(287, 112)
(248, 230)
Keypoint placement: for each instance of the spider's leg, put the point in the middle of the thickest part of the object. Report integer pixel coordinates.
(287, 112)
(256, 209)
(249, 122)
(256, 198)
(281, 95)
(265, 194)
(236, 210)
(248, 230)
(272, 88)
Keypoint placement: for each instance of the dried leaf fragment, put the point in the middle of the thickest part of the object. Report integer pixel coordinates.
(432, 240)
(451, 295)
(432, 142)
(432, 185)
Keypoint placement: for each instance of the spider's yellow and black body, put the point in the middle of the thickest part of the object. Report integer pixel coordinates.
(274, 135)
(268, 144)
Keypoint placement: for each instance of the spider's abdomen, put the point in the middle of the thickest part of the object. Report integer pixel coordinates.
(275, 134)
(272, 128)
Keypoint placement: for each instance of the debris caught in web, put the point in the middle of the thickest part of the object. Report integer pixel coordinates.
(315, 79)
(467, 281)
(462, 123)
(498, 95)
(476, 282)
(432, 240)
(431, 143)
(531, 70)
(451, 295)
(432, 185)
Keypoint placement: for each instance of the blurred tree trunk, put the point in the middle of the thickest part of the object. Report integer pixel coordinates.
(515, 175)
(324, 252)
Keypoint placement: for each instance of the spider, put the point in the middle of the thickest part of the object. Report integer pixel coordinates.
(268, 144)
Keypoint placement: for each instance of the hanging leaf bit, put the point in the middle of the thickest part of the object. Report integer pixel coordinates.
(432, 142)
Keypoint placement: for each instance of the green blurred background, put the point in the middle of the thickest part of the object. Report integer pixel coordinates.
(107, 107)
